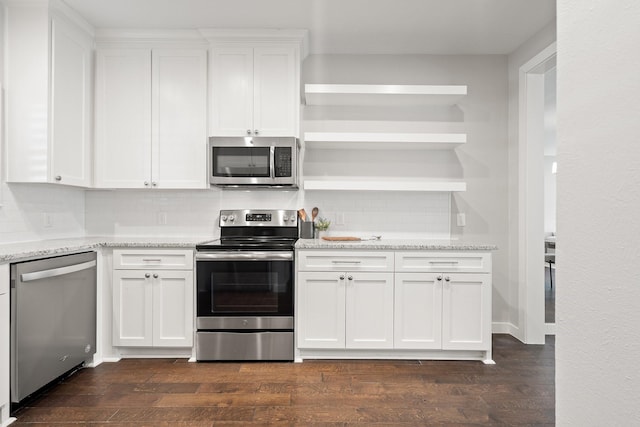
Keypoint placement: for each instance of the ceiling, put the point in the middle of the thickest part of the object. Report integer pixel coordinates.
(346, 26)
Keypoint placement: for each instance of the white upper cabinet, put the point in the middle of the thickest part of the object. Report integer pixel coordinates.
(123, 118)
(49, 94)
(254, 90)
(151, 118)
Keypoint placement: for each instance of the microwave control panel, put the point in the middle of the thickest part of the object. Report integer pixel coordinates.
(282, 162)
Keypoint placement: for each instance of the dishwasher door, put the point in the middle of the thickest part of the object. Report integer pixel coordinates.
(53, 319)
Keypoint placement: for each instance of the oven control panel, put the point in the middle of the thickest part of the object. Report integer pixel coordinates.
(253, 218)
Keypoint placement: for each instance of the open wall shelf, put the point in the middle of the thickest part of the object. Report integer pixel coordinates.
(388, 140)
(377, 184)
(384, 95)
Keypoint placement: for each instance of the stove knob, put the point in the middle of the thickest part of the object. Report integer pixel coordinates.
(223, 217)
(232, 218)
(285, 217)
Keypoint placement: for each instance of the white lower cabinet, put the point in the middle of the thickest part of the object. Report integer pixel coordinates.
(466, 311)
(423, 304)
(153, 305)
(345, 310)
(417, 311)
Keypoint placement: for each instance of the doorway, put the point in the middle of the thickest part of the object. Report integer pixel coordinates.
(531, 233)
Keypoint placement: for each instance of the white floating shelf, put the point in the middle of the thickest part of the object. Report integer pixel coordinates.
(385, 95)
(391, 184)
(365, 140)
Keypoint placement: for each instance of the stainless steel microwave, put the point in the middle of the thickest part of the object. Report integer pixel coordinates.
(254, 161)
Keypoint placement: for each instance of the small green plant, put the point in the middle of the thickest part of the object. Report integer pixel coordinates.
(322, 224)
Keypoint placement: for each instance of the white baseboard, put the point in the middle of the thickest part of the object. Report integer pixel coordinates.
(505, 328)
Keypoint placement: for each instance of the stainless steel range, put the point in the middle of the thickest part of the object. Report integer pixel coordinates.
(245, 287)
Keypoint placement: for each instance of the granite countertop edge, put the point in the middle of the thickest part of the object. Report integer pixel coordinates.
(23, 251)
(395, 244)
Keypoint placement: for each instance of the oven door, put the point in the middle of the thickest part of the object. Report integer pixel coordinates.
(244, 283)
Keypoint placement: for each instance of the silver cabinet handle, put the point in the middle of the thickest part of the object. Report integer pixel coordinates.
(152, 259)
(248, 131)
(155, 275)
(447, 279)
(445, 261)
(45, 274)
(58, 178)
(439, 278)
(146, 183)
(154, 184)
(255, 132)
(337, 261)
(147, 275)
(342, 277)
(350, 277)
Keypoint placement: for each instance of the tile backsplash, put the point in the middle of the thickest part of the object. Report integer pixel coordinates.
(37, 211)
(195, 213)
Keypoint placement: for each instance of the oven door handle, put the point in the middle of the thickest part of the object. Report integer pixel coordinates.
(245, 256)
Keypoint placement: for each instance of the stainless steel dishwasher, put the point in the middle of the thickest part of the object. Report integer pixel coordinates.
(53, 319)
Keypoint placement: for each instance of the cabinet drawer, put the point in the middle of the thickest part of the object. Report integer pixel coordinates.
(345, 261)
(136, 259)
(443, 262)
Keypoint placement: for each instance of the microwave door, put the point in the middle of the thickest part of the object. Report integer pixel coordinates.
(241, 162)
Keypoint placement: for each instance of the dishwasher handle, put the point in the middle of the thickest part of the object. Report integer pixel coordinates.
(60, 271)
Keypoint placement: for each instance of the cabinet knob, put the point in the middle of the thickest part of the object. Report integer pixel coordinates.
(58, 178)
(350, 277)
(147, 275)
(255, 132)
(342, 277)
(155, 275)
(154, 184)
(447, 279)
(146, 183)
(439, 278)
(248, 131)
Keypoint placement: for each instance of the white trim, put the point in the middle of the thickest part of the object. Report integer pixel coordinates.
(550, 329)
(297, 36)
(505, 328)
(531, 229)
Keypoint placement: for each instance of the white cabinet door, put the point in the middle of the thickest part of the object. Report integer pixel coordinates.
(254, 91)
(466, 311)
(369, 310)
(71, 104)
(132, 308)
(123, 118)
(179, 118)
(275, 97)
(173, 308)
(418, 311)
(231, 91)
(48, 97)
(320, 310)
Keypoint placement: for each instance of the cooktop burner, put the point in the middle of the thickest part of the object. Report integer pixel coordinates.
(253, 229)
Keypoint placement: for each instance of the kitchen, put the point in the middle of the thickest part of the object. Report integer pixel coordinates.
(35, 212)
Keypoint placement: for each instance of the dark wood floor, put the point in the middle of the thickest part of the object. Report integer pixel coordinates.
(518, 390)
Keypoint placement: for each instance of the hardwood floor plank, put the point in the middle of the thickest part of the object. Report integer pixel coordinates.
(518, 390)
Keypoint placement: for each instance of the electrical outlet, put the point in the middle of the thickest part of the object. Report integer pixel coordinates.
(461, 219)
(162, 218)
(47, 221)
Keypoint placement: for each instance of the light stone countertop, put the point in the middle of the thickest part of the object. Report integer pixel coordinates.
(13, 252)
(396, 244)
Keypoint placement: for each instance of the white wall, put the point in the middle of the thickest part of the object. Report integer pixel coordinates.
(519, 57)
(598, 333)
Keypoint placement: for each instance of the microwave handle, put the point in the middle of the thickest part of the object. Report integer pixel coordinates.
(272, 162)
